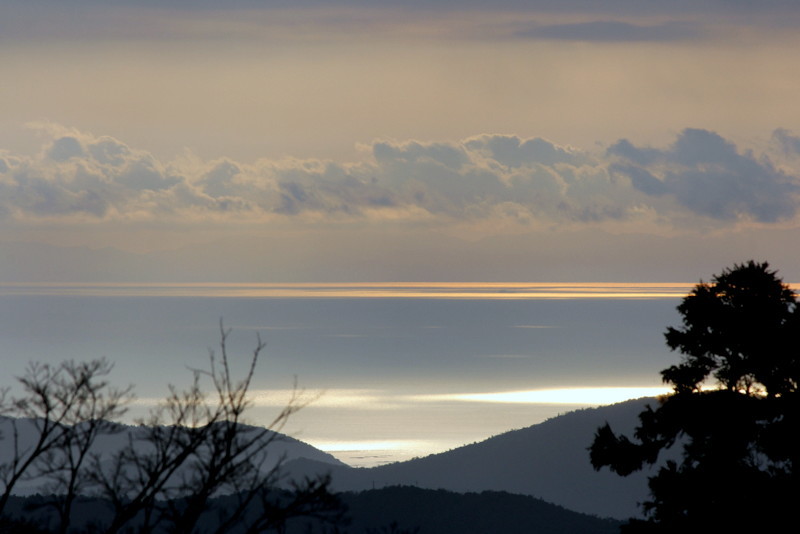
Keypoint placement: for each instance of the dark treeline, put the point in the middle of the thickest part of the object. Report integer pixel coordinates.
(398, 510)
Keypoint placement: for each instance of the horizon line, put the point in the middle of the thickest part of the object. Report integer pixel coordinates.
(355, 290)
(359, 290)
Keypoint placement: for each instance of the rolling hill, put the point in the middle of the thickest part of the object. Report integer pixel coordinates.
(281, 448)
(548, 460)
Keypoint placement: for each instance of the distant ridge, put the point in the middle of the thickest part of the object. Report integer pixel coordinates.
(282, 448)
(549, 460)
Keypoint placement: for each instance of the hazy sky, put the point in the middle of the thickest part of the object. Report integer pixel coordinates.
(252, 140)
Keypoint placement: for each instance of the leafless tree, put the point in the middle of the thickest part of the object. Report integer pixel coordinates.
(190, 451)
(66, 407)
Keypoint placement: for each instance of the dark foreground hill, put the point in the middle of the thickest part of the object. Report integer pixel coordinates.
(388, 510)
(549, 460)
(444, 512)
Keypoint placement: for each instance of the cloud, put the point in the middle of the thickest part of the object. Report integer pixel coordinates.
(640, 156)
(170, 20)
(515, 152)
(80, 175)
(65, 148)
(527, 182)
(613, 31)
(444, 154)
(789, 144)
(616, 6)
(108, 151)
(708, 175)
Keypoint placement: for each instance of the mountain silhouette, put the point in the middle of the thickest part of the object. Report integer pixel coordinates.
(282, 448)
(549, 460)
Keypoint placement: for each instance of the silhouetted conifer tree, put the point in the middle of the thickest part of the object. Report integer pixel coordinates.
(734, 412)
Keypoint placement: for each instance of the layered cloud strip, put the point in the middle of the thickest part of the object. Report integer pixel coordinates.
(561, 20)
(701, 178)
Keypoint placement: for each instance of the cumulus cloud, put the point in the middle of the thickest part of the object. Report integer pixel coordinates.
(789, 143)
(80, 175)
(706, 174)
(516, 152)
(65, 148)
(529, 181)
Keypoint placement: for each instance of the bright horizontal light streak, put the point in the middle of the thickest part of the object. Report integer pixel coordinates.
(371, 399)
(419, 290)
(351, 399)
(342, 446)
(597, 396)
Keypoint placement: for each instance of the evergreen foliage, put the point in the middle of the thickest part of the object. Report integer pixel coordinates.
(739, 436)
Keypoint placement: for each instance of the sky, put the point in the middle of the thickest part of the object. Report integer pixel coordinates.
(162, 143)
(355, 141)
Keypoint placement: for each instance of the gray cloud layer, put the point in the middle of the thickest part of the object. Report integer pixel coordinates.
(619, 6)
(701, 176)
(613, 31)
(608, 21)
(706, 174)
